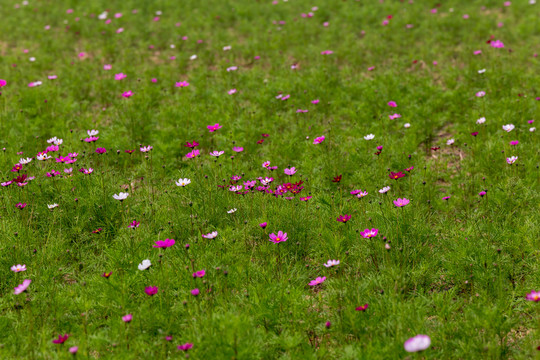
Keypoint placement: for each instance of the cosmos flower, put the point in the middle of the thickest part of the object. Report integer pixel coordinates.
(192, 154)
(401, 202)
(121, 196)
(22, 287)
(182, 84)
(417, 343)
(217, 153)
(238, 149)
(145, 264)
(280, 237)
(369, 137)
(318, 140)
(362, 307)
(366, 234)
(120, 76)
(481, 94)
(127, 318)
(18, 268)
(317, 281)
(164, 243)
(384, 190)
(151, 290)
(195, 292)
(214, 127)
(508, 127)
(52, 206)
(331, 263)
(211, 235)
(127, 94)
(231, 211)
(482, 193)
(134, 224)
(343, 218)
(199, 274)
(263, 225)
(186, 346)
(147, 148)
(290, 171)
(450, 141)
(533, 296)
(511, 160)
(61, 339)
(481, 120)
(396, 175)
(392, 104)
(498, 44)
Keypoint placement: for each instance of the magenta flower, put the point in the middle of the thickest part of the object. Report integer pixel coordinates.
(318, 140)
(417, 343)
(127, 94)
(481, 94)
(514, 142)
(263, 225)
(61, 339)
(3, 82)
(317, 281)
(182, 84)
(120, 76)
(53, 173)
(482, 193)
(151, 290)
(185, 347)
(127, 318)
(192, 154)
(362, 307)
(164, 243)
(101, 150)
(280, 237)
(343, 218)
(91, 139)
(21, 206)
(401, 202)
(290, 171)
(498, 44)
(195, 292)
(213, 128)
(238, 149)
(199, 274)
(366, 234)
(73, 349)
(306, 198)
(134, 224)
(533, 296)
(392, 104)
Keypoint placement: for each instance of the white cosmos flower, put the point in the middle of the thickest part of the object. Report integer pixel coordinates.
(407, 125)
(231, 211)
(121, 196)
(533, 129)
(183, 182)
(92, 132)
(331, 263)
(450, 142)
(482, 71)
(102, 16)
(369, 137)
(481, 120)
(52, 206)
(384, 189)
(51, 140)
(144, 265)
(193, 57)
(227, 48)
(58, 142)
(508, 127)
(217, 153)
(211, 235)
(43, 157)
(25, 161)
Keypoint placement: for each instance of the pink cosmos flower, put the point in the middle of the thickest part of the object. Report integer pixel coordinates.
(151, 290)
(52, 77)
(327, 52)
(231, 92)
(343, 218)
(3, 82)
(371, 68)
(392, 104)
(22, 287)
(533, 296)
(481, 94)
(477, 52)
(213, 128)
(186, 346)
(217, 153)
(498, 44)
(107, 67)
(290, 171)
(211, 235)
(61, 339)
(120, 76)
(417, 343)
(238, 149)
(514, 142)
(394, 116)
(362, 307)
(280, 237)
(127, 318)
(316, 101)
(18, 268)
(193, 154)
(146, 148)
(331, 263)
(101, 150)
(305, 198)
(263, 225)
(182, 84)
(135, 224)
(164, 243)
(482, 193)
(195, 292)
(199, 274)
(20, 206)
(73, 349)
(317, 281)
(366, 234)
(401, 202)
(318, 140)
(127, 94)
(511, 160)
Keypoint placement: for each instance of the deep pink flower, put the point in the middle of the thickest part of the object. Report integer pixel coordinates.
(192, 144)
(498, 44)
(482, 193)
(127, 94)
(182, 84)
(21, 205)
(290, 171)
(61, 339)
(120, 76)
(238, 149)
(213, 128)
(317, 281)
(53, 173)
(192, 154)
(392, 104)
(305, 198)
(401, 202)
(164, 243)
(362, 307)
(185, 347)
(101, 150)
(134, 224)
(3, 82)
(514, 142)
(263, 225)
(151, 290)
(318, 140)
(127, 318)
(343, 218)
(533, 296)
(280, 237)
(199, 274)
(195, 292)
(369, 233)
(396, 176)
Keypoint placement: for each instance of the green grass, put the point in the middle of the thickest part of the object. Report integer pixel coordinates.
(457, 270)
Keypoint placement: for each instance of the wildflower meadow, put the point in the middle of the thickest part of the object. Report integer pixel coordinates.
(273, 179)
